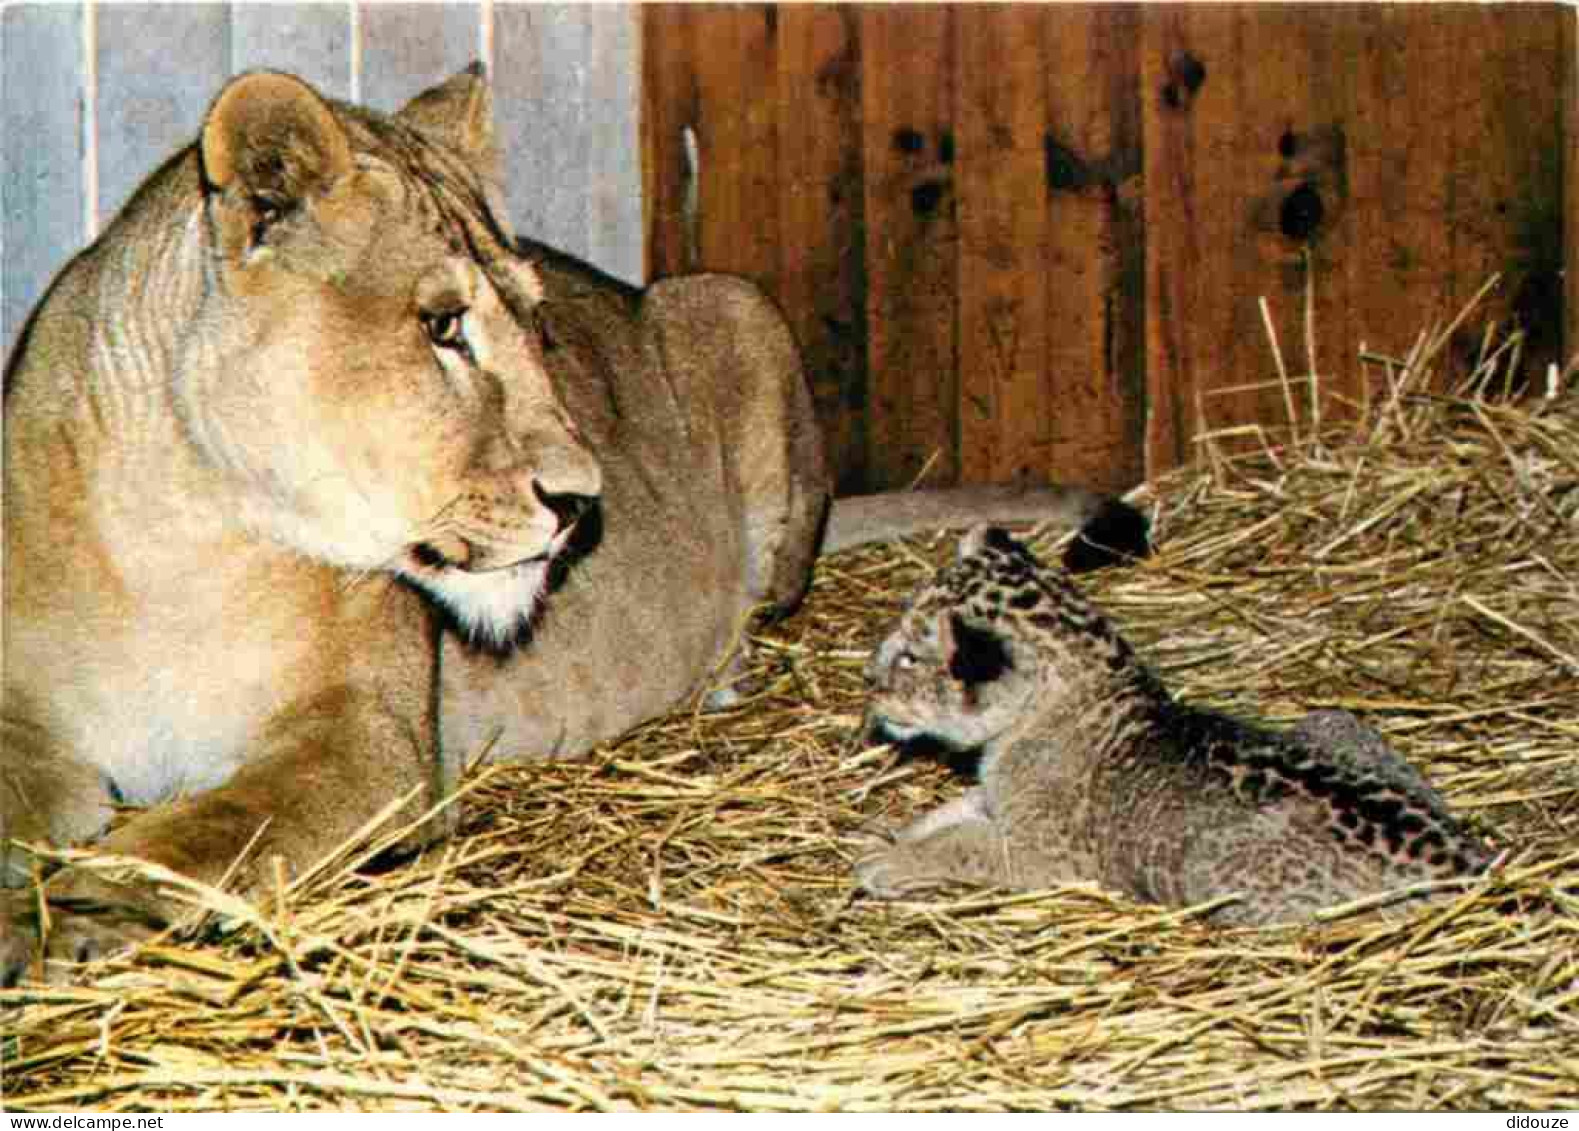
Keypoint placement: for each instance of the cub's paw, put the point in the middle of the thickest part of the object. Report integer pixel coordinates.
(730, 697)
(892, 873)
(734, 683)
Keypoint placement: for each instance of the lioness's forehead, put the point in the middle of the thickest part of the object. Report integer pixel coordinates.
(429, 211)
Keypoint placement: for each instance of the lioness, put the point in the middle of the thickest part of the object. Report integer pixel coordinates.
(293, 454)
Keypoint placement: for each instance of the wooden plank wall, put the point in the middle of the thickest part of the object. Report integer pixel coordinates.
(1032, 240)
(93, 102)
(1013, 241)
(1571, 207)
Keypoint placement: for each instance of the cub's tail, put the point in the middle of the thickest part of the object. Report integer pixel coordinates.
(1109, 529)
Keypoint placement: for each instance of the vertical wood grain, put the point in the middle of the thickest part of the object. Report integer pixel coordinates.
(1005, 413)
(1283, 116)
(1211, 158)
(966, 211)
(1092, 157)
(1311, 150)
(309, 40)
(822, 279)
(42, 190)
(147, 108)
(737, 137)
(1509, 212)
(1570, 88)
(909, 161)
(1405, 127)
(1172, 235)
(711, 75)
(669, 106)
(1454, 139)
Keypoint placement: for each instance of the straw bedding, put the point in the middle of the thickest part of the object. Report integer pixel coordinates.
(671, 924)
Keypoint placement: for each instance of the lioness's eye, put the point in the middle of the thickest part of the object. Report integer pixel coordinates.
(268, 210)
(266, 213)
(446, 329)
(540, 324)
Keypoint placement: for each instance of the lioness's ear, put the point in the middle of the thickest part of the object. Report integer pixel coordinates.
(274, 135)
(459, 113)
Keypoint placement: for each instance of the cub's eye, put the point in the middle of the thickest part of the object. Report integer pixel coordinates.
(905, 660)
(446, 329)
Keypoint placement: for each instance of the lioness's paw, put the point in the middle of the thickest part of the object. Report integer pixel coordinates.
(18, 939)
(78, 938)
(73, 939)
(87, 924)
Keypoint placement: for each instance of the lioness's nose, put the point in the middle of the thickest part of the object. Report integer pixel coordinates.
(551, 458)
(567, 506)
(566, 478)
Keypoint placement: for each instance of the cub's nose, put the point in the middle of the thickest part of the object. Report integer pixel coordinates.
(878, 663)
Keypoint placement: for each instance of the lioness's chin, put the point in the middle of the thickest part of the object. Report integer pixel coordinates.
(493, 609)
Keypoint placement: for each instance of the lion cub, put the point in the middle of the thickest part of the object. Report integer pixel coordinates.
(1090, 770)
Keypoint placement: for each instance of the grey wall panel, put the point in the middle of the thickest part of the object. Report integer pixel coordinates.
(43, 205)
(613, 123)
(149, 105)
(96, 97)
(312, 41)
(406, 48)
(540, 77)
(566, 85)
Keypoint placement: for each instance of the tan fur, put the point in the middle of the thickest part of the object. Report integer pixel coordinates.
(303, 392)
(230, 425)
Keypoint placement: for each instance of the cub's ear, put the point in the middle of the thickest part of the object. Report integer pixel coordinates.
(458, 113)
(980, 538)
(275, 137)
(971, 542)
(979, 655)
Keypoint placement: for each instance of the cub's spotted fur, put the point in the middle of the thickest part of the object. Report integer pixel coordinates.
(1090, 770)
